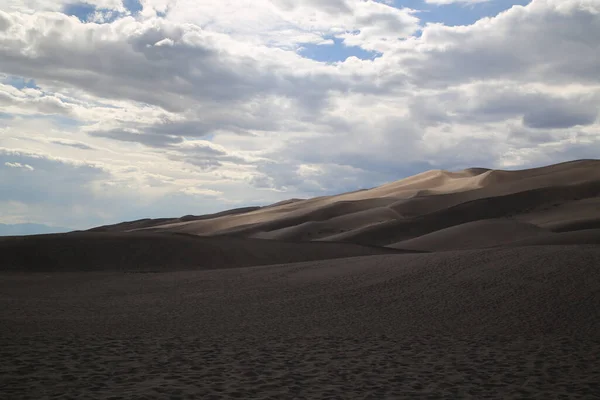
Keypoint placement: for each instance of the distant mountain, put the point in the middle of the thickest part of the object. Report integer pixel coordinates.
(29, 229)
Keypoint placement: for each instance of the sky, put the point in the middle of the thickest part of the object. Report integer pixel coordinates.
(116, 110)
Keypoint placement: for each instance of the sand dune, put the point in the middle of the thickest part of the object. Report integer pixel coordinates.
(559, 197)
(149, 223)
(432, 211)
(566, 216)
(313, 230)
(500, 183)
(472, 235)
(276, 217)
(497, 323)
(496, 233)
(157, 252)
(514, 205)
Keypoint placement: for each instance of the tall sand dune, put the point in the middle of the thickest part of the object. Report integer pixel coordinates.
(559, 197)
(514, 205)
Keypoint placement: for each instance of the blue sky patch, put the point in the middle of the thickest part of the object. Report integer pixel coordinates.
(20, 82)
(134, 6)
(457, 14)
(82, 11)
(334, 52)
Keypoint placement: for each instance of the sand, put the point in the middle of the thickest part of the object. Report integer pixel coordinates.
(141, 251)
(517, 205)
(497, 323)
(476, 234)
(317, 367)
(302, 299)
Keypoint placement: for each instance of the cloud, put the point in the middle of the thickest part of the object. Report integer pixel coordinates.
(492, 101)
(5, 22)
(149, 139)
(127, 60)
(18, 165)
(48, 180)
(286, 24)
(82, 195)
(534, 43)
(197, 106)
(28, 100)
(558, 118)
(72, 143)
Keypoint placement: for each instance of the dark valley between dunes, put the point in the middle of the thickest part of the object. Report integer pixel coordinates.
(469, 284)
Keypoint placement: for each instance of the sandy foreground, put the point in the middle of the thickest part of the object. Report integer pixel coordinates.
(491, 323)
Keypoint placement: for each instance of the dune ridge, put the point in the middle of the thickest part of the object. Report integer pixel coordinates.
(518, 204)
(554, 197)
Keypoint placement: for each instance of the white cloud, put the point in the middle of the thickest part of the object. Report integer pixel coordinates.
(366, 23)
(18, 165)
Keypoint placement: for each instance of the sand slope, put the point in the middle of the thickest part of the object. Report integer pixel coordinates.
(497, 323)
(472, 235)
(567, 216)
(506, 291)
(157, 252)
(313, 230)
(514, 205)
(584, 236)
(149, 223)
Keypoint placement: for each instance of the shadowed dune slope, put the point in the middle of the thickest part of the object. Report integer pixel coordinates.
(567, 216)
(524, 291)
(318, 229)
(583, 237)
(158, 252)
(472, 235)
